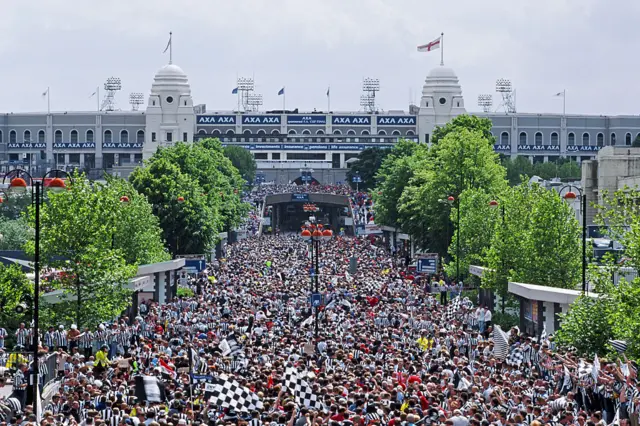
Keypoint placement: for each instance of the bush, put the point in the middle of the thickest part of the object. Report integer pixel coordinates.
(184, 292)
(506, 321)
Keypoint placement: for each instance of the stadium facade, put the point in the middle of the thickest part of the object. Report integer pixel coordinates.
(285, 143)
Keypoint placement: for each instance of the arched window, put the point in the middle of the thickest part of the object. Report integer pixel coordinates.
(538, 138)
(585, 139)
(262, 136)
(554, 139)
(306, 132)
(571, 139)
(229, 132)
(504, 138)
(89, 136)
(74, 136)
(396, 133)
(140, 136)
(247, 132)
(57, 137)
(337, 132)
(364, 132)
(204, 132)
(41, 136)
(124, 136)
(382, 133)
(320, 132)
(292, 132)
(13, 138)
(600, 139)
(351, 132)
(627, 139)
(410, 133)
(275, 132)
(108, 136)
(613, 138)
(27, 136)
(523, 138)
(1, 140)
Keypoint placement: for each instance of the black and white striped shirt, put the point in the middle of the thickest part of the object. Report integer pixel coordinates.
(18, 381)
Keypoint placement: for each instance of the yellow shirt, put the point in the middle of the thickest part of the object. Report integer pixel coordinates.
(101, 359)
(425, 343)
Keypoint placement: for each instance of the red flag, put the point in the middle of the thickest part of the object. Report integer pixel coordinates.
(167, 369)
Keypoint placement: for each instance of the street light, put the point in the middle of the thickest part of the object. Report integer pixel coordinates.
(315, 234)
(19, 181)
(571, 196)
(449, 201)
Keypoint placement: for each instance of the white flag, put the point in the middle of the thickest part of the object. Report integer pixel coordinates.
(433, 45)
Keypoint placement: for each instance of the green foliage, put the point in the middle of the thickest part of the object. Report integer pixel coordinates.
(520, 167)
(184, 292)
(536, 242)
(392, 178)
(98, 241)
(369, 162)
(505, 320)
(243, 160)
(14, 233)
(621, 213)
(15, 288)
(462, 160)
(468, 122)
(636, 142)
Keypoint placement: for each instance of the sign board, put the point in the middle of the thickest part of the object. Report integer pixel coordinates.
(183, 279)
(427, 263)
(190, 270)
(190, 256)
(197, 264)
(299, 197)
(478, 271)
(316, 300)
(370, 229)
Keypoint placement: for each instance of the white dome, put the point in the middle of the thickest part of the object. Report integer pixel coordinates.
(442, 72)
(171, 77)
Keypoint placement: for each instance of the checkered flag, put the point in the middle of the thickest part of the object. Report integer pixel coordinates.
(584, 370)
(516, 357)
(227, 393)
(301, 390)
(453, 308)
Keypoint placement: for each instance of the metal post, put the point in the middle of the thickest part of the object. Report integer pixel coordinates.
(458, 245)
(317, 242)
(584, 242)
(36, 298)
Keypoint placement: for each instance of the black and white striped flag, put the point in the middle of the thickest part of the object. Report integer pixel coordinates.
(230, 346)
(500, 343)
(149, 388)
(619, 345)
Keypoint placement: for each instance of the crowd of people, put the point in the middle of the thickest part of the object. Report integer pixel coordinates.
(381, 350)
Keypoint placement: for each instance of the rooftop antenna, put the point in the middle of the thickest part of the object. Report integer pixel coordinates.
(254, 101)
(503, 86)
(111, 86)
(245, 86)
(369, 88)
(136, 99)
(485, 102)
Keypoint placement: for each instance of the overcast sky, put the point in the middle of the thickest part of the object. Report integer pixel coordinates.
(588, 47)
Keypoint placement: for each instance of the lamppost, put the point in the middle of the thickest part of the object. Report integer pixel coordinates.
(571, 196)
(494, 204)
(19, 182)
(315, 234)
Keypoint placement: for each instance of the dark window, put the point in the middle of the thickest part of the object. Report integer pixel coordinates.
(185, 137)
(169, 136)
(554, 138)
(1, 140)
(538, 138)
(627, 139)
(74, 158)
(523, 138)
(140, 136)
(260, 155)
(613, 138)
(89, 137)
(571, 139)
(442, 101)
(13, 138)
(153, 136)
(427, 137)
(27, 135)
(169, 99)
(124, 136)
(74, 138)
(275, 156)
(600, 139)
(585, 139)
(504, 138)
(305, 156)
(108, 136)
(58, 136)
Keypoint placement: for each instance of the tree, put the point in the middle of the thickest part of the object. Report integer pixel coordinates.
(395, 172)
(537, 241)
(243, 160)
(190, 222)
(14, 233)
(368, 163)
(516, 168)
(468, 122)
(569, 170)
(97, 241)
(636, 142)
(463, 159)
(15, 289)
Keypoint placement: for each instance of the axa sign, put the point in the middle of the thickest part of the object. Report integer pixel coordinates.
(408, 120)
(261, 119)
(355, 120)
(216, 119)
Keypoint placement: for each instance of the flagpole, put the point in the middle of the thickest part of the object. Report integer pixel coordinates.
(441, 49)
(98, 98)
(170, 47)
(48, 101)
(284, 97)
(564, 102)
(329, 99)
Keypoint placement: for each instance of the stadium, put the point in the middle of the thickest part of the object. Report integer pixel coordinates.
(286, 143)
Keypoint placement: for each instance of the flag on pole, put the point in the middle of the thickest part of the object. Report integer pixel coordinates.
(45, 93)
(168, 44)
(92, 95)
(281, 92)
(328, 90)
(149, 388)
(500, 343)
(433, 45)
(559, 94)
(234, 91)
